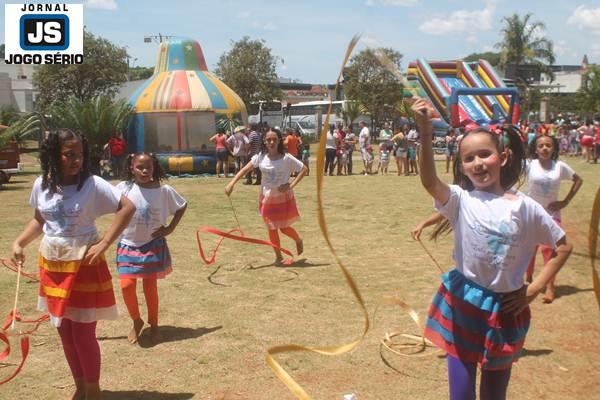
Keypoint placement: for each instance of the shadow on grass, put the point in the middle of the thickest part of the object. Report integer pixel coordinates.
(144, 394)
(103, 338)
(535, 353)
(300, 263)
(568, 290)
(171, 333)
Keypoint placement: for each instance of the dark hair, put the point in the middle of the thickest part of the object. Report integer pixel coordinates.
(158, 174)
(533, 147)
(50, 158)
(510, 174)
(280, 149)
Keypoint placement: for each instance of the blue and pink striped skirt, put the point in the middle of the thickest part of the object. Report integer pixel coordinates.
(465, 321)
(150, 261)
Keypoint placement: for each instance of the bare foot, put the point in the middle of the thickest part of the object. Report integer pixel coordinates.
(134, 334)
(549, 296)
(300, 246)
(155, 335)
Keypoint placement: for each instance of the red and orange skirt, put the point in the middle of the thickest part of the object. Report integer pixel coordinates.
(70, 288)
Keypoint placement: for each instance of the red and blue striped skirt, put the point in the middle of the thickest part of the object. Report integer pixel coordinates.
(464, 320)
(150, 261)
(278, 209)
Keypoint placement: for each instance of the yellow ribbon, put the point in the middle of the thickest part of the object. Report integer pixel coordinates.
(593, 243)
(283, 376)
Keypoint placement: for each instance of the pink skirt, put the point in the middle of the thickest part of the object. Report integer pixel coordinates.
(278, 209)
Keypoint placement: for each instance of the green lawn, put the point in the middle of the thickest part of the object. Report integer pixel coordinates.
(219, 320)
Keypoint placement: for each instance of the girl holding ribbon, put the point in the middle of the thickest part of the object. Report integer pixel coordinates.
(480, 313)
(75, 283)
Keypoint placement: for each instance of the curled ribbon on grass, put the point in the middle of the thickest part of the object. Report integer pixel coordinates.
(593, 244)
(283, 376)
(230, 235)
(24, 342)
(10, 264)
(413, 345)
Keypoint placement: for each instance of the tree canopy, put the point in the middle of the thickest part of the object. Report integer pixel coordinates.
(369, 83)
(490, 56)
(103, 70)
(523, 42)
(589, 93)
(249, 70)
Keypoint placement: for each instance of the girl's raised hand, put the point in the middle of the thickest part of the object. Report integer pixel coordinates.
(422, 109)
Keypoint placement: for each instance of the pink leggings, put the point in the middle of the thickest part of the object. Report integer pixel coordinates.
(81, 349)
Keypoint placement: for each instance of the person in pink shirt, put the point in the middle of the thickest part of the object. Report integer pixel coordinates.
(222, 153)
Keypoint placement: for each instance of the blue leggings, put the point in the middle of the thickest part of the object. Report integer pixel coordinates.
(462, 377)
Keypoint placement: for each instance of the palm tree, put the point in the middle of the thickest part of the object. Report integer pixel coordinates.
(97, 117)
(352, 110)
(19, 130)
(523, 43)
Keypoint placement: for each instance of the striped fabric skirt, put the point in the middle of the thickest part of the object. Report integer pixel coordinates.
(464, 321)
(68, 287)
(150, 261)
(278, 209)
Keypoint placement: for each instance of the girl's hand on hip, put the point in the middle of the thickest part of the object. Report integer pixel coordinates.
(162, 232)
(284, 188)
(556, 205)
(515, 302)
(94, 252)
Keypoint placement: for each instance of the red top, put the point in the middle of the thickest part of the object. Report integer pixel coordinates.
(220, 141)
(597, 136)
(117, 146)
(291, 141)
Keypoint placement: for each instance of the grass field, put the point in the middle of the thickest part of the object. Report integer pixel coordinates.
(217, 321)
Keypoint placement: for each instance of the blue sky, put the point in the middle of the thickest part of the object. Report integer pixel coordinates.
(311, 36)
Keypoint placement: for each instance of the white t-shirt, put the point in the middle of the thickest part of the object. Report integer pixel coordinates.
(495, 237)
(331, 140)
(364, 137)
(544, 184)
(276, 172)
(73, 212)
(412, 136)
(153, 207)
(239, 142)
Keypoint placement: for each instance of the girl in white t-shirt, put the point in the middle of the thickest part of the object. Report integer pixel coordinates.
(75, 283)
(480, 313)
(142, 252)
(277, 204)
(544, 174)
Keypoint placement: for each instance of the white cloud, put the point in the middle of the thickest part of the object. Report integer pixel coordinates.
(461, 21)
(269, 26)
(404, 3)
(561, 47)
(488, 47)
(586, 19)
(244, 15)
(595, 50)
(102, 4)
(370, 41)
